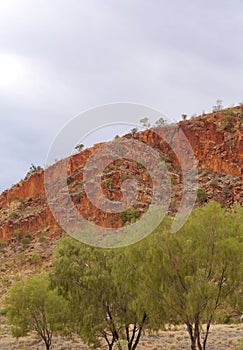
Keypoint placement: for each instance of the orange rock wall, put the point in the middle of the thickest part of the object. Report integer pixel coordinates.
(217, 147)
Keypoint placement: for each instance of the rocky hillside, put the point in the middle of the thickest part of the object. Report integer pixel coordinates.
(29, 232)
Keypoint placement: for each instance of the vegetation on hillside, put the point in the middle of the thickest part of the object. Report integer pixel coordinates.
(32, 306)
(113, 296)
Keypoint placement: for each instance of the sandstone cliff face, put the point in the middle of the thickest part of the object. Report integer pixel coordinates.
(216, 140)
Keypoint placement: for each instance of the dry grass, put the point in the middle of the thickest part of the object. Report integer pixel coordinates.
(222, 337)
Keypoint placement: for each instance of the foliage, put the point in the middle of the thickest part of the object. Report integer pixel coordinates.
(241, 109)
(240, 345)
(202, 195)
(14, 215)
(79, 147)
(123, 176)
(17, 234)
(111, 296)
(25, 241)
(160, 122)
(102, 288)
(195, 271)
(34, 259)
(108, 183)
(21, 200)
(218, 107)
(145, 122)
(32, 306)
(129, 216)
(229, 115)
(33, 169)
(140, 162)
(134, 131)
(2, 246)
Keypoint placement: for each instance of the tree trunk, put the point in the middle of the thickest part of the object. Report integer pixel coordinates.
(140, 331)
(193, 344)
(197, 336)
(47, 341)
(47, 346)
(194, 336)
(190, 332)
(199, 342)
(206, 336)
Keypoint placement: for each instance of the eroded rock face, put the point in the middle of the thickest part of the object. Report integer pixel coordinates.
(217, 143)
(216, 140)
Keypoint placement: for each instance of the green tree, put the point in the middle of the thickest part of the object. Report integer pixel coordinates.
(196, 270)
(101, 287)
(33, 169)
(218, 107)
(132, 305)
(79, 147)
(145, 122)
(134, 131)
(32, 306)
(160, 122)
(202, 195)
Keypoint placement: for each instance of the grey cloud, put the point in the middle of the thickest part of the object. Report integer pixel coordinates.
(178, 57)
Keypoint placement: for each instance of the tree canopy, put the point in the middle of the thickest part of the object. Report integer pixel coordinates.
(32, 306)
(113, 295)
(102, 290)
(193, 272)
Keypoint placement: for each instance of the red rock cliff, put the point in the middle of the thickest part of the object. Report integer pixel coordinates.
(216, 140)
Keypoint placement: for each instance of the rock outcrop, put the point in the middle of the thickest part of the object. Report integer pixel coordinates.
(217, 143)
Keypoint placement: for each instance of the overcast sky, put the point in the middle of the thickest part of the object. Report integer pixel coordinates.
(61, 57)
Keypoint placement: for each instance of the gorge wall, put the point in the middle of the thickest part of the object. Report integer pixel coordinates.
(217, 143)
